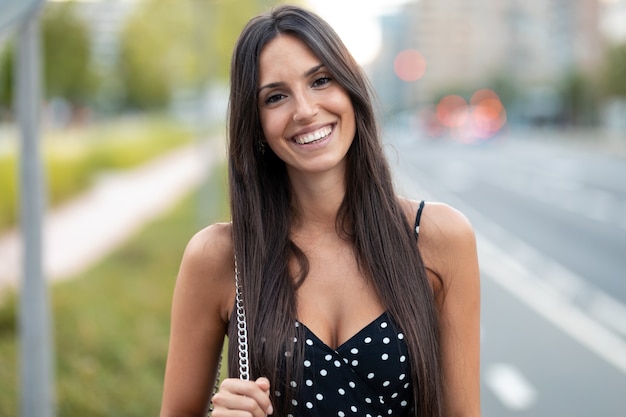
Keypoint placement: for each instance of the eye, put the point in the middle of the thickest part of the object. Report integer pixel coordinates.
(321, 81)
(274, 98)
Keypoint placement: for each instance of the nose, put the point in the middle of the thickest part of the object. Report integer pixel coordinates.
(305, 108)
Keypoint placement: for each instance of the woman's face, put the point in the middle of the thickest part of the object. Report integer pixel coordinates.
(306, 116)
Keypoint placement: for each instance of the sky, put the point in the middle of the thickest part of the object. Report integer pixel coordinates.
(613, 20)
(356, 23)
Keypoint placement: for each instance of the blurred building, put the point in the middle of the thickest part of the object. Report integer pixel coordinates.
(469, 44)
(390, 89)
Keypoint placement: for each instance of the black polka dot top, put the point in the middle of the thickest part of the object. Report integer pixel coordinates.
(367, 376)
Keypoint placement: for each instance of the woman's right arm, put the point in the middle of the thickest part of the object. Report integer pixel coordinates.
(203, 298)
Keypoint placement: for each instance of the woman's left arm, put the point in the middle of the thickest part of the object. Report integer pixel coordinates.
(448, 244)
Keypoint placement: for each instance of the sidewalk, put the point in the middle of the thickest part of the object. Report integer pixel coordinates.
(83, 231)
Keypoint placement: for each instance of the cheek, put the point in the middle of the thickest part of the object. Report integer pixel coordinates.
(343, 105)
(273, 133)
(266, 126)
(272, 124)
(349, 115)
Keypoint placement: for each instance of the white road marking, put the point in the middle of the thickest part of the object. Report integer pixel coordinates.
(568, 284)
(609, 311)
(551, 304)
(510, 386)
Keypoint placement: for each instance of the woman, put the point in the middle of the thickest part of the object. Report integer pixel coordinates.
(347, 312)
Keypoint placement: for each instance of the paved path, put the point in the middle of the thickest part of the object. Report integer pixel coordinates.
(83, 231)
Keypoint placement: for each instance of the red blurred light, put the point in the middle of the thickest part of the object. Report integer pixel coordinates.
(409, 65)
(488, 114)
(452, 111)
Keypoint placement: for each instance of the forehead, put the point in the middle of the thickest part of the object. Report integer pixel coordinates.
(285, 57)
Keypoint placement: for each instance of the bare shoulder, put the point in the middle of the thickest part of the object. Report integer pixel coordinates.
(440, 224)
(447, 241)
(210, 244)
(206, 271)
(444, 225)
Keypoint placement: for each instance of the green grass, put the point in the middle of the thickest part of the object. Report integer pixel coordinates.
(74, 158)
(111, 323)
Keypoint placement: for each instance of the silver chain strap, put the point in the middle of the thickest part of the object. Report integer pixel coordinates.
(242, 336)
(242, 329)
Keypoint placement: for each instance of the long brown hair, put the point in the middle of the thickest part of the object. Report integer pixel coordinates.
(369, 216)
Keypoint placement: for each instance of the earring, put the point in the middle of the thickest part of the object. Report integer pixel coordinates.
(261, 147)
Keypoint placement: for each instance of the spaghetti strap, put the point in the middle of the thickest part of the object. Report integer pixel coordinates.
(417, 219)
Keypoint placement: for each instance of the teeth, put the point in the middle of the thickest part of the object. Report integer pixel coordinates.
(313, 136)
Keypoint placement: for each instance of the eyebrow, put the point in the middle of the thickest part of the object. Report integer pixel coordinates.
(308, 73)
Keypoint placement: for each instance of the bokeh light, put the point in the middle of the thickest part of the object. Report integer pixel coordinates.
(488, 115)
(409, 65)
(452, 111)
(429, 122)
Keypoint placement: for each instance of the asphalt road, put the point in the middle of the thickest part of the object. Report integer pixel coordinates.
(551, 228)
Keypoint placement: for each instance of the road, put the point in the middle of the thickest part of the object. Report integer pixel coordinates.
(551, 229)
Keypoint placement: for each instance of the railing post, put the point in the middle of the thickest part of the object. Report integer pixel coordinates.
(36, 365)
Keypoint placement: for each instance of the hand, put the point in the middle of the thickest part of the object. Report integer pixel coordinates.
(235, 394)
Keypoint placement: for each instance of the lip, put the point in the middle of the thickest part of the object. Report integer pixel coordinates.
(312, 128)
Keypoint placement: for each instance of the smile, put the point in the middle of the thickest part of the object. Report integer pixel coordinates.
(313, 136)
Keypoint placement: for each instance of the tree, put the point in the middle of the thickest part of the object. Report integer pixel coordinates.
(578, 97)
(179, 44)
(143, 57)
(6, 76)
(230, 18)
(67, 54)
(67, 70)
(614, 74)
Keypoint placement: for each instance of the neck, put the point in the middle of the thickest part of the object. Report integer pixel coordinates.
(316, 201)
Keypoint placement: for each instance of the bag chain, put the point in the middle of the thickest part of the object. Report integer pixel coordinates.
(242, 329)
(242, 337)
